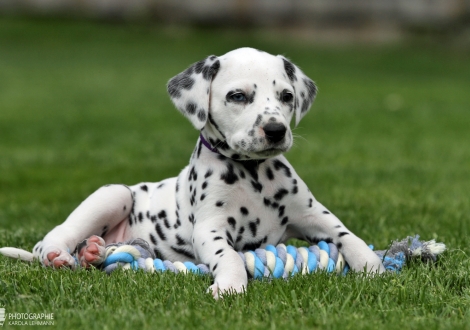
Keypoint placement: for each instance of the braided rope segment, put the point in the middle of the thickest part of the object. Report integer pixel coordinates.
(279, 261)
(272, 262)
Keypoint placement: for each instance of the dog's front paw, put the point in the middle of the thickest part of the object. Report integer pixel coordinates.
(367, 262)
(91, 252)
(219, 288)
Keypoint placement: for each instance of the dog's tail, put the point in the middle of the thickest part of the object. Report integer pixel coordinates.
(17, 253)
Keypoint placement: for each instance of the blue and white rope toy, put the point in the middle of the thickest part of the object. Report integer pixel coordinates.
(279, 261)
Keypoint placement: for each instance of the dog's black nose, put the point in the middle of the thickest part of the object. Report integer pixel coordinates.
(275, 132)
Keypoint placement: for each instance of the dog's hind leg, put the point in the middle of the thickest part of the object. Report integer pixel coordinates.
(101, 212)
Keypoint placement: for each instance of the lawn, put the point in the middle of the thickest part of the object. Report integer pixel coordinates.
(386, 147)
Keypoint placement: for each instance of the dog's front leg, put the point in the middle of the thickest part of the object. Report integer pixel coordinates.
(212, 247)
(317, 223)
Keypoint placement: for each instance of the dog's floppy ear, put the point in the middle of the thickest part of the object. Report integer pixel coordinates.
(190, 90)
(305, 89)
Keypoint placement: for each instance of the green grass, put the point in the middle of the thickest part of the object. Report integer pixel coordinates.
(386, 147)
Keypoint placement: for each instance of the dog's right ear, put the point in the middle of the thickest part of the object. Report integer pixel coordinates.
(190, 90)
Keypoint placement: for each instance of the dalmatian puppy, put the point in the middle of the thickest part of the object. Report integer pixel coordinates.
(237, 193)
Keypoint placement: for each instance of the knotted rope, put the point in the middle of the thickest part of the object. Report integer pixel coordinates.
(279, 261)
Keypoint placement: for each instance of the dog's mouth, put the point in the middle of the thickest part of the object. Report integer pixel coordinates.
(270, 151)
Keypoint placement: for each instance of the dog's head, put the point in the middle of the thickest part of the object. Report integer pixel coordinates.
(243, 101)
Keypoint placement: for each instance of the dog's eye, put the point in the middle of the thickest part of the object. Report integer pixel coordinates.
(237, 97)
(287, 96)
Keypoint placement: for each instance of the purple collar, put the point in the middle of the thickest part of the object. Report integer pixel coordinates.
(208, 145)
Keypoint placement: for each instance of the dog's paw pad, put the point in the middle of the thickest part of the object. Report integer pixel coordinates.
(58, 258)
(91, 252)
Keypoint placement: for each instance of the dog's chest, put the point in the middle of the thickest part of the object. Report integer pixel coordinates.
(250, 200)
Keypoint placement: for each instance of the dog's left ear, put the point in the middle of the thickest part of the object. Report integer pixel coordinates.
(190, 90)
(305, 89)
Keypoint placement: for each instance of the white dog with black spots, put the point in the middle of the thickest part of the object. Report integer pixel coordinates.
(237, 193)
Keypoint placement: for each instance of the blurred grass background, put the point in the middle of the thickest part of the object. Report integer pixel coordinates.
(386, 145)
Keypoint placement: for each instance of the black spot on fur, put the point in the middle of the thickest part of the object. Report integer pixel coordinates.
(269, 173)
(184, 252)
(144, 187)
(191, 218)
(219, 251)
(341, 234)
(280, 194)
(315, 240)
(311, 88)
(258, 120)
(229, 175)
(167, 224)
(266, 202)
(244, 210)
(162, 214)
(284, 221)
(257, 186)
(153, 239)
(208, 173)
(232, 222)
(217, 238)
(204, 185)
(180, 240)
(254, 227)
(160, 232)
(180, 82)
(290, 70)
(278, 165)
(201, 115)
(252, 168)
(210, 71)
(192, 174)
(253, 245)
(199, 149)
(281, 210)
(326, 212)
(219, 203)
(157, 253)
(229, 238)
(191, 108)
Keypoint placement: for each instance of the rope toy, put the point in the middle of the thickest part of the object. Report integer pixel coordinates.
(279, 261)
